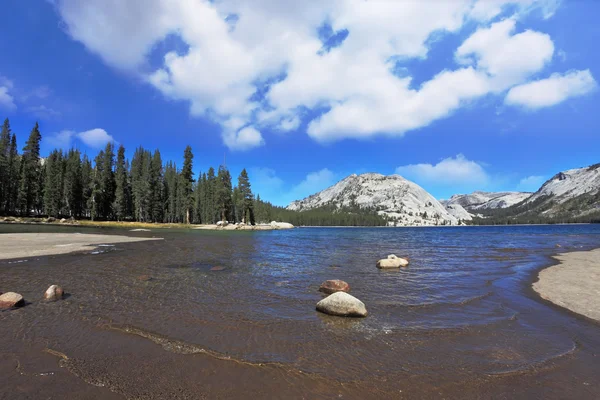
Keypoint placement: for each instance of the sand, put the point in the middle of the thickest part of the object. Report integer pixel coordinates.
(23, 245)
(574, 283)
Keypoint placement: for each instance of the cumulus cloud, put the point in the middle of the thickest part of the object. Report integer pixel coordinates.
(94, 138)
(259, 64)
(450, 171)
(531, 183)
(7, 101)
(244, 139)
(313, 183)
(551, 91)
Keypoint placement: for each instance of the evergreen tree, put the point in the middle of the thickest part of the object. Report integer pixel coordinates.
(13, 177)
(140, 184)
(223, 193)
(107, 182)
(187, 179)
(120, 206)
(87, 175)
(73, 188)
(53, 184)
(247, 198)
(170, 192)
(156, 188)
(5, 136)
(29, 188)
(96, 198)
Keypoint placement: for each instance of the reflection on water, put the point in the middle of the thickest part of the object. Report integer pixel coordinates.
(462, 309)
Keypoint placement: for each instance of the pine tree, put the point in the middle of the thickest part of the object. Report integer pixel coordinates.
(53, 184)
(140, 184)
(120, 206)
(73, 188)
(156, 188)
(96, 198)
(170, 192)
(187, 180)
(107, 182)
(87, 175)
(5, 136)
(30, 172)
(212, 212)
(223, 193)
(247, 198)
(13, 171)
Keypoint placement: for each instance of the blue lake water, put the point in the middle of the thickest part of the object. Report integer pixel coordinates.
(462, 320)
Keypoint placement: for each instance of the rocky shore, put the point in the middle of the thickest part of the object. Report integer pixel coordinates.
(244, 227)
(573, 284)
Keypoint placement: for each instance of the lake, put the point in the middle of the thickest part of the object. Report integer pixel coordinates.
(460, 322)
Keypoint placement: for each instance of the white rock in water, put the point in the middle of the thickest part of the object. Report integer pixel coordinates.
(54, 293)
(392, 262)
(140, 230)
(343, 305)
(281, 225)
(11, 299)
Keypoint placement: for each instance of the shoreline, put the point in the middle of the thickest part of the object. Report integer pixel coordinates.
(572, 284)
(26, 245)
(139, 225)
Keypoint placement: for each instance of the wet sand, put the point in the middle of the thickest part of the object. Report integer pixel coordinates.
(574, 283)
(23, 245)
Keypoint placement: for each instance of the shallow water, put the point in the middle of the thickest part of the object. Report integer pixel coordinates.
(460, 322)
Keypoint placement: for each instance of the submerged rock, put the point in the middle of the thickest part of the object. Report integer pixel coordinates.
(11, 299)
(392, 262)
(54, 293)
(343, 305)
(145, 278)
(218, 268)
(333, 286)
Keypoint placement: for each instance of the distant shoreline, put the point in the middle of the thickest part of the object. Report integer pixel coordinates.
(572, 284)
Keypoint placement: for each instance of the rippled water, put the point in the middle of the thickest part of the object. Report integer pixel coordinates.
(460, 322)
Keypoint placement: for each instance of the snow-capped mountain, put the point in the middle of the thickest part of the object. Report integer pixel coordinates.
(569, 184)
(488, 200)
(403, 201)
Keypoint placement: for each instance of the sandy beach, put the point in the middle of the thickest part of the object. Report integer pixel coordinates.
(22, 245)
(574, 283)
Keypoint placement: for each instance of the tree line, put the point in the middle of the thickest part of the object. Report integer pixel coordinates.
(110, 187)
(144, 189)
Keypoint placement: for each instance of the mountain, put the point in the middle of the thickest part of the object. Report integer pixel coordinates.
(488, 200)
(404, 202)
(569, 196)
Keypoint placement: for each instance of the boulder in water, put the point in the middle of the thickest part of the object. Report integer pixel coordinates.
(343, 305)
(392, 262)
(54, 293)
(281, 225)
(333, 286)
(10, 300)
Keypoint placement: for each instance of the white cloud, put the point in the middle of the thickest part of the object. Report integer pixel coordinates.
(277, 42)
(95, 138)
(551, 91)
(244, 139)
(450, 171)
(6, 100)
(531, 183)
(508, 58)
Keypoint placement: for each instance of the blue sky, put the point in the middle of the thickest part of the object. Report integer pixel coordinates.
(456, 95)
